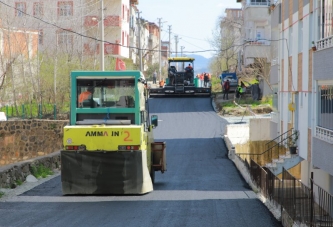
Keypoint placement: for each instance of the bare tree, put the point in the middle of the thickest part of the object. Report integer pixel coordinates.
(258, 70)
(226, 41)
(5, 69)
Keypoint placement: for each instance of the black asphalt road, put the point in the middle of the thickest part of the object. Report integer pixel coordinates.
(201, 187)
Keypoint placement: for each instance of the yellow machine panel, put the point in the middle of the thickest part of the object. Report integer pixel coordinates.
(102, 137)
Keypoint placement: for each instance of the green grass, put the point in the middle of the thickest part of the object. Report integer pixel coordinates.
(41, 171)
(1, 194)
(19, 182)
(31, 110)
(251, 102)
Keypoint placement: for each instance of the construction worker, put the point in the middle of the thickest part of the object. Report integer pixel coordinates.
(154, 77)
(206, 79)
(201, 79)
(226, 88)
(162, 83)
(86, 96)
(188, 68)
(239, 91)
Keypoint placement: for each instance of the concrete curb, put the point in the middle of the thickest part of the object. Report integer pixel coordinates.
(214, 105)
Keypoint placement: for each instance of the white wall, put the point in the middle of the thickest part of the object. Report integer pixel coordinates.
(259, 129)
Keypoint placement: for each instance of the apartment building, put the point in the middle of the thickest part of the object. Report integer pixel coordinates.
(321, 83)
(18, 51)
(255, 57)
(154, 43)
(302, 81)
(74, 26)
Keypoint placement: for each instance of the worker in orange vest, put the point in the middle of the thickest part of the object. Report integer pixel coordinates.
(201, 79)
(87, 95)
(162, 83)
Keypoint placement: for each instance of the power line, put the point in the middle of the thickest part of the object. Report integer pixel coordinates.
(118, 44)
(189, 37)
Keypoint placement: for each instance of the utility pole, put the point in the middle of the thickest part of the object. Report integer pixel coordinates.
(102, 35)
(169, 40)
(81, 63)
(181, 54)
(181, 50)
(176, 43)
(139, 38)
(159, 52)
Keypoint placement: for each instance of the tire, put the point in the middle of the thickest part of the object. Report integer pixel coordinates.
(152, 171)
(152, 174)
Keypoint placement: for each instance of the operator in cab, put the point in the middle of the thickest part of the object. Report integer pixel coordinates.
(189, 68)
(86, 98)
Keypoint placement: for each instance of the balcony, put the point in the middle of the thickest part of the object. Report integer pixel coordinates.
(109, 49)
(325, 43)
(256, 49)
(112, 49)
(258, 2)
(324, 134)
(109, 21)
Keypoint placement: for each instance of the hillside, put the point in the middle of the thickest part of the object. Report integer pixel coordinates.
(201, 64)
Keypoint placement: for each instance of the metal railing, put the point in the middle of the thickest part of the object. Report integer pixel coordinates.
(31, 111)
(312, 205)
(324, 134)
(297, 199)
(323, 216)
(325, 43)
(274, 148)
(258, 3)
(269, 184)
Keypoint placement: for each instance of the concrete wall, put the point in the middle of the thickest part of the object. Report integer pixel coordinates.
(322, 155)
(274, 78)
(259, 129)
(322, 64)
(26, 139)
(251, 138)
(276, 16)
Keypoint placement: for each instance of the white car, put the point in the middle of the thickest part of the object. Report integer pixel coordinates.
(3, 116)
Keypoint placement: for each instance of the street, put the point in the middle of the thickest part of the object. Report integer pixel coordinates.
(201, 186)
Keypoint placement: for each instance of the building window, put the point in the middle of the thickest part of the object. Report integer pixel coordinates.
(123, 12)
(259, 2)
(325, 109)
(326, 15)
(65, 9)
(21, 9)
(65, 38)
(40, 37)
(38, 9)
(260, 33)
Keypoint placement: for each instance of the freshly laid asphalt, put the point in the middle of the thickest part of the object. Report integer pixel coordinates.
(201, 186)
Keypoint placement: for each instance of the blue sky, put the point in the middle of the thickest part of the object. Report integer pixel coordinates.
(192, 20)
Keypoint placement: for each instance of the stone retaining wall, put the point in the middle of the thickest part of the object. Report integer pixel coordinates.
(27, 143)
(11, 174)
(27, 139)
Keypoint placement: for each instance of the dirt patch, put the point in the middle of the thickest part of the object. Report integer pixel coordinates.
(224, 108)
